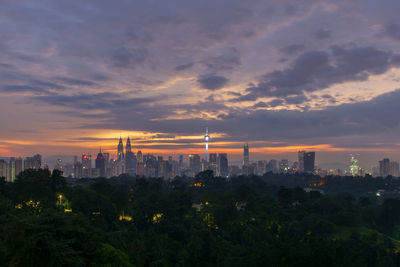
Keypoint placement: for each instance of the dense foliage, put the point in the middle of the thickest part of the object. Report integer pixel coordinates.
(204, 221)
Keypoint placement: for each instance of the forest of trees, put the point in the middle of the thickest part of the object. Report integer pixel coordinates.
(203, 221)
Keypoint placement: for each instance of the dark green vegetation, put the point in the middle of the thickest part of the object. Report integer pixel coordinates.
(206, 221)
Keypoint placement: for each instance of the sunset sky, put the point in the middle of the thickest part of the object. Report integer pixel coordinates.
(281, 75)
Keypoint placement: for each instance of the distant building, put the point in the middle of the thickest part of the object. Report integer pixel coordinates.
(11, 169)
(100, 165)
(212, 164)
(86, 166)
(354, 168)
(223, 169)
(246, 157)
(19, 166)
(59, 165)
(284, 166)
(34, 162)
(194, 163)
(301, 155)
(120, 149)
(261, 167)
(306, 161)
(139, 157)
(272, 166)
(130, 159)
(394, 169)
(4, 171)
(384, 167)
(249, 169)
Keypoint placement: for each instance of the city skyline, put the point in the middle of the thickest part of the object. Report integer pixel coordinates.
(282, 76)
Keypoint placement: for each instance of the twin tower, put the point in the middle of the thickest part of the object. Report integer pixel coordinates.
(121, 154)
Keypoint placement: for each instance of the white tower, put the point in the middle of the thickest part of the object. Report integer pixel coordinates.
(206, 138)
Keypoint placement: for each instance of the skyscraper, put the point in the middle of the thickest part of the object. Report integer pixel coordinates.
(384, 167)
(139, 157)
(130, 159)
(19, 166)
(194, 163)
(246, 158)
(309, 162)
(34, 162)
(354, 168)
(206, 139)
(223, 169)
(4, 172)
(284, 166)
(86, 165)
(394, 169)
(301, 160)
(120, 149)
(11, 169)
(100, 164)
(212, 164)
(306, 161)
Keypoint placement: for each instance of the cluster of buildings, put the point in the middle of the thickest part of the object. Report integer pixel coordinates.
(148, 165)
(387, 167)
(11, 168)
(129, 163)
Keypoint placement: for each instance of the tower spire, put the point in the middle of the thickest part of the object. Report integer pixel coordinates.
(206, 139)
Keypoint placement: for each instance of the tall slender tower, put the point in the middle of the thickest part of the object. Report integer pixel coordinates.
(206, 139)
(246, 159)
(120, 149)
(128, 148)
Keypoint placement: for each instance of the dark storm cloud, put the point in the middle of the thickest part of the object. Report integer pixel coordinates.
(23, 88)
(322, 34)
(105, 101)
(72, 81)
(128, 57)
(223, 62)
(317, 70)
(212, 82)
(184, 66)
(377, 115)
(392, 30)
(292, 49)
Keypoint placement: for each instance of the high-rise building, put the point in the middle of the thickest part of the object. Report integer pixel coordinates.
(272, 166)
(120, 149)
(19, 166)
(139, 157)
(59, 165)
(284, 166)
(101, 164)
(301, 155)
(77, 168)
(212, 164)
(11, 168)
(354, 168)
(130, 159)
(34, 162)
(194, 163)
(306, 161)
(384, 167)
(309, 162)
(222, 169)
(4, 171)
(86, 166)
(394, 169)
(261, 167)
(206, 139)
(246, 158)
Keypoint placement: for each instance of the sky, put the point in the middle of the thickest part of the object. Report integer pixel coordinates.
(281, 75)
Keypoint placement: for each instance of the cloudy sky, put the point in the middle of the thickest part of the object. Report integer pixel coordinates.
(282, 75)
